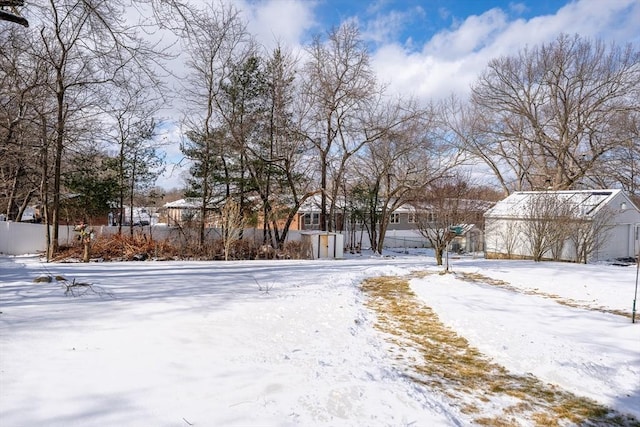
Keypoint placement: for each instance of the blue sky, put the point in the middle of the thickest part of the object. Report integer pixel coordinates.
(430, 49)
(433, 47)
(424, 18)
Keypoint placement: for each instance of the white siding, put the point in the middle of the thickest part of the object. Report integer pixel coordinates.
(503, 224)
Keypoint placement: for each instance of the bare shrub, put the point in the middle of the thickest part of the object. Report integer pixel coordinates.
(295, 250)
(123, 247)
(587, 236)
(546, 218)
(141, 247)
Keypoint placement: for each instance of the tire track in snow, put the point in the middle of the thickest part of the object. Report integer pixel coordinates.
(479, 278)
(434, 355)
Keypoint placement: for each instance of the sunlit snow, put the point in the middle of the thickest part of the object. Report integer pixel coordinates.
(279, 343)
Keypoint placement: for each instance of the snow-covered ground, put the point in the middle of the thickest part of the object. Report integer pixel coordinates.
(278, 343)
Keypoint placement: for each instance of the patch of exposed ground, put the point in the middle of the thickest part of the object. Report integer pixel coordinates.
(434, 355)
(479, 278)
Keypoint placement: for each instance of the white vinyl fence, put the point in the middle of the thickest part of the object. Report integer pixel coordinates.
(19, 238)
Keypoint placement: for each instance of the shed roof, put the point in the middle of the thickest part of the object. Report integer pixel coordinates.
(585, 202)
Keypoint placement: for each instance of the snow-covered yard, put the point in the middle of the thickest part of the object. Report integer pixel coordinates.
(292, 342)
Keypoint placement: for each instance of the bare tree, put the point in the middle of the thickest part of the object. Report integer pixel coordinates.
(282, 172)
(621, 167)
(507, 236)
(9, 12)
(341, 97)
(232, 225)
(545, 224)
(442, 209)
(392, 169)
(173, 15)
(549, 116)
(560, 228)
(86, 46)
(137, 161)
(588, 233)
(215, 40)
(242, 105)
(22, 79)
(507, 161)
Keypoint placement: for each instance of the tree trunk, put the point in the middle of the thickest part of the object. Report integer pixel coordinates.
(86, 256)
(323, 195)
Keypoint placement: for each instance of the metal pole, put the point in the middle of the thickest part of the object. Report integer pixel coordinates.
(635, 295)
(446, 248)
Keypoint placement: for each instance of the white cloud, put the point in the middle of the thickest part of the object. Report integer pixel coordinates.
(518, 8)
(377, 6)
(453, 58)
(472, 34)
(384, 28)
(280, 21)
(169, 137)
(271, 22)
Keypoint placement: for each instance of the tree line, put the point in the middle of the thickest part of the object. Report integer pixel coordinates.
(270, 129)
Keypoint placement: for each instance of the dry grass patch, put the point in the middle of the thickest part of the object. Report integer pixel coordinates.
(479, 278)
(445, 361)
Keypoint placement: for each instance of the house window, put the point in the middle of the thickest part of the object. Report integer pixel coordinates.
(356, 219)
(311, 219)
(395, 218)
(412, 218)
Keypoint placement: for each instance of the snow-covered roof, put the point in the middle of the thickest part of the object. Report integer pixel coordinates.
(474, 205)
(313, 203)
(188, 203)
(583, 202)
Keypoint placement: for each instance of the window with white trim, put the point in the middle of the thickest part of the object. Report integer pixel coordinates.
(312, 219)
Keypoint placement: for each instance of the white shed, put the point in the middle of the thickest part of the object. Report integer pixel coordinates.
(572, 225)
(324, 244)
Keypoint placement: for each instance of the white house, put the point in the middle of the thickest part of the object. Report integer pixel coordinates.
(572, 225)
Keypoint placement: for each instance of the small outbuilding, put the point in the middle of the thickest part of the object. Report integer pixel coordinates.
(323, 245)
(573, 225)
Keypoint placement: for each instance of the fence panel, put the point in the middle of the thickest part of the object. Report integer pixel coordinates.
(18, 238)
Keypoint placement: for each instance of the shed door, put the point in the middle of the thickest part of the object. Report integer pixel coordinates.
(324, 246)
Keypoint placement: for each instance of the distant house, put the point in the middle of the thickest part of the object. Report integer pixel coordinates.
(308, 217)
(462, 217)
(403, 228)
(572, 225)
(141, 216)
(185, 211)
(31, 214)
